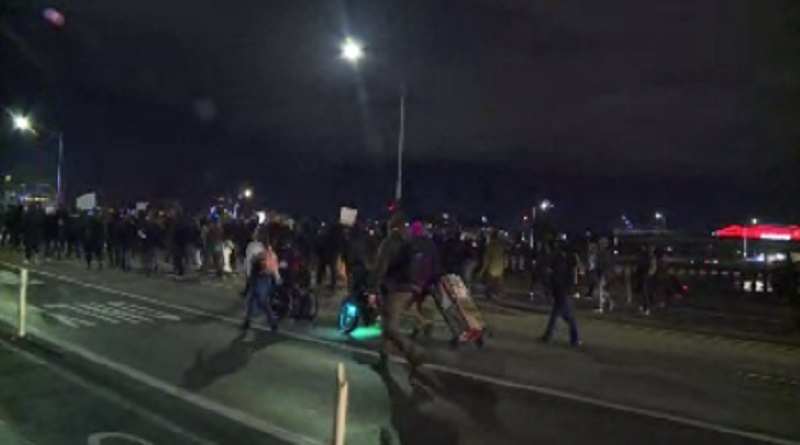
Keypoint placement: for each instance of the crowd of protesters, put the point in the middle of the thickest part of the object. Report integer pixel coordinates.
(181, 242)
(217, 244)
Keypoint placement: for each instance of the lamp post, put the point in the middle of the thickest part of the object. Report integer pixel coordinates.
(24, 124)
(353, 52)
(543, 207)
(753, 221)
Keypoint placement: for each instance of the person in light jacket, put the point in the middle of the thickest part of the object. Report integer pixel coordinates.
(493, 265)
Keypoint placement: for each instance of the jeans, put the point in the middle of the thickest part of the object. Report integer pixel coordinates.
(562, 308)
(259, 297)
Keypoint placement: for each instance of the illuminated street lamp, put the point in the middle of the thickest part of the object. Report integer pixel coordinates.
(24, 124)
(21, 122)
(352, 50)
(754, 221)
(546, 205)
(247, 193)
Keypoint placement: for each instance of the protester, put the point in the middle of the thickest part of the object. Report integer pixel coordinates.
(388, 279)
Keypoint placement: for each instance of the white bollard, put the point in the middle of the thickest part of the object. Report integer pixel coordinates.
(340, 415)
(23, 302)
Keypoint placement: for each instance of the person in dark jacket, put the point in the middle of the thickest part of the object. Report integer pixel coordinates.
(94, 241)
(562, 267)
(356, 258)
(389, 278)
(126, 240)
(33, 229)
(424, 270)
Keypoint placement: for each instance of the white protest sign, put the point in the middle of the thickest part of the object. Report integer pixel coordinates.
(86, 202)
(347, 216)
(141, 206)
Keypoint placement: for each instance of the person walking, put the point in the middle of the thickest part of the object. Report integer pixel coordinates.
(389, 279)
(265, 278)
(562, 282)
(493, 266)
(424, 270)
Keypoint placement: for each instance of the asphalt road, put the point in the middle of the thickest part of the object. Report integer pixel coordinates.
(45, 404)
(174, 349)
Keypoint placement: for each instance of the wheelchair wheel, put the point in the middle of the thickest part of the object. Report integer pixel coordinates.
(348, 316)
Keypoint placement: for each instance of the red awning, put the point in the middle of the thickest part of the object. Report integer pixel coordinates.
(760, 231)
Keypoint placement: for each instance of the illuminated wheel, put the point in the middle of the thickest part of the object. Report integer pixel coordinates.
(348, 316)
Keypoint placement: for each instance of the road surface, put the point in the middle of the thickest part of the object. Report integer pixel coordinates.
(174, 348)
(46, 404)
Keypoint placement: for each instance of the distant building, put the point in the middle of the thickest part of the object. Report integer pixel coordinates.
(43, 194)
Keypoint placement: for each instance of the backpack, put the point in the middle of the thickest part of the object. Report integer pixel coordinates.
(268, 260)
(421, 263)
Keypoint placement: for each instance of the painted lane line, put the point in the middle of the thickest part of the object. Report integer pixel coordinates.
(108, 395)
(66, 320)
(115, 437)
(82, 311)
(114, 312)
(149, 312)
(566, 395)
(209, 405)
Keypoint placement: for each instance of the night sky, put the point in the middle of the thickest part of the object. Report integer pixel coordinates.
(602, 106)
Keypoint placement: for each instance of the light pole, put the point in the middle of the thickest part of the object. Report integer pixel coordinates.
(753, 222)
(542, 207)
(24, 124)
(353, 52)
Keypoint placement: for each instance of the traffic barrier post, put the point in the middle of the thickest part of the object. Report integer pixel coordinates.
(23, 302)
(340, 415)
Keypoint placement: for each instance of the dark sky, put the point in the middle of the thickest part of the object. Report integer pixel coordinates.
(605, 106)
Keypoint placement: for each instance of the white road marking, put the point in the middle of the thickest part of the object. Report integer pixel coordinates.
(136, 309)
(113, 312)
(64, 319)
(12, 279)
(101, 308)
(108, 395)
(80, 310)
(574, 397)
(100, 438)
(235, 415)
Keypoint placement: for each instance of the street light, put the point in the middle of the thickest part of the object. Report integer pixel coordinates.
(247, 193)
(352, 50)
(543, 206)
(21, 122)
(24, 124)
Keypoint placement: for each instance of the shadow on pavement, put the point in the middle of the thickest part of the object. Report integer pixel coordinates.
(411, 424)
(478, 399)
(235, 310)
(206, 370)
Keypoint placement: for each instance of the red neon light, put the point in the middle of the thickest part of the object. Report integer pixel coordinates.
(779, 233)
